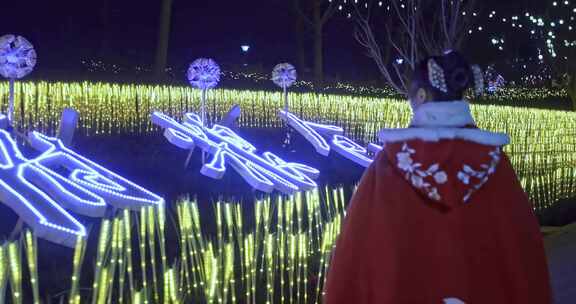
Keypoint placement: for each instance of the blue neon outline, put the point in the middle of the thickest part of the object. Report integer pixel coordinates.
(264, 173)
(283, 171)
(315, 133)
(86, 190)
(22, 164)
(351, 150)
(98, 178)
(311, 131)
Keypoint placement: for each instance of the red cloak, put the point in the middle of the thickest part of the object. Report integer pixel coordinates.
(439, 217)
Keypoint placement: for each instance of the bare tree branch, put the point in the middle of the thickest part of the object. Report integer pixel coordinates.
(365, 37)
(414, 29)
(328, 13)
(302, 14)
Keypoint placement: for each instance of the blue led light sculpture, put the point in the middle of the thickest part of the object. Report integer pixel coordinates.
(204, 74)
(284, 75)
(43, 189)
(265, 172)
(327, 137)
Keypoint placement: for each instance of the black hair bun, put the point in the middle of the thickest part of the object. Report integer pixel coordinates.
(457, 73)
(459, 79)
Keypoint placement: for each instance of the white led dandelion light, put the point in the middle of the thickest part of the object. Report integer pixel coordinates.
(204, 74)
(17, 59)
(284, 76)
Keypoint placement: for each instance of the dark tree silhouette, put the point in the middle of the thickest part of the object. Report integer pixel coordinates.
(163, 38)
(316, 14)
(399, 36)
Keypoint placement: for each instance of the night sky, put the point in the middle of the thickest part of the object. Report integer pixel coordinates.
(65, 32)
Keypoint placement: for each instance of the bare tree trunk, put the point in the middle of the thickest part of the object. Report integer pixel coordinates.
(300, 44)
(163, 38)
(104, 27)
(318, 56)
(318, 44)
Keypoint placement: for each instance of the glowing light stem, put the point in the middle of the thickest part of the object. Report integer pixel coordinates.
(128, 246)
(241, 241)
(15, 264)
(32, 264)
(160, 217)
(152, 243)
(3, 273)
(79, 252)
(100, 257)
(184, 273)
(281, 246)
(103, 292)
(142, 253)
(285, 98)
(198, 244)
(11, 102)
(114, 257)
(229, 257)
(204, 122)
(194, 241)
(269, 256)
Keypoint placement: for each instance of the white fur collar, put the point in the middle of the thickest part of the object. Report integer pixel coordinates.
(443, 114)
(433, 122)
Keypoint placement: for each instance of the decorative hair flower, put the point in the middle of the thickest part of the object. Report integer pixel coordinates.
(436, 76)
(284, 75)
(17, 57)
(204, 73)
(478, 79)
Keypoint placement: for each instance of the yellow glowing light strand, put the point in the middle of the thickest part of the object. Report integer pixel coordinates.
(31, 256)
(15, 264)
(3, 272)
(79, 252)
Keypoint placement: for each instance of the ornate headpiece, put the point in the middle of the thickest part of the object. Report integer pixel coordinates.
(436, 76)
(478, 80)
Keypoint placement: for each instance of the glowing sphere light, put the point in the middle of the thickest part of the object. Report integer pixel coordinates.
(204, 73)
(284, 75)
(17, 59)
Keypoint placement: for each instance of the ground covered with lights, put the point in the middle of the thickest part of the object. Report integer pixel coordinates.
(219, 240)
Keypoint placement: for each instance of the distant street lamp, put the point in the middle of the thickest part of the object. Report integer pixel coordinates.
(245, 48)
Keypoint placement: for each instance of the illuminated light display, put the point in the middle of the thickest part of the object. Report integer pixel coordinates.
(315, 133)
(265, 173)
(284, 75)
(312, 131)
(17, 59)
(351, 150)
(38, 191)
(542, 149)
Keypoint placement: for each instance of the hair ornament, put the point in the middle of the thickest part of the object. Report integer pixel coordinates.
(436, 76)
(478, 80)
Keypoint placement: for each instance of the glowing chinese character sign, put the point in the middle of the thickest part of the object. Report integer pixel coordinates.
(43, 189)
(265, 172)
(326, 137)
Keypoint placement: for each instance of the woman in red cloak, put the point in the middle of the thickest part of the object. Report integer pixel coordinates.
(440, 217)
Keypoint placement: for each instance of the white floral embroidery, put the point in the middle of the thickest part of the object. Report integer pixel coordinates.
(453, 301)
(441, 177)
(417, 176)
(467, 173)
(404, 161)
